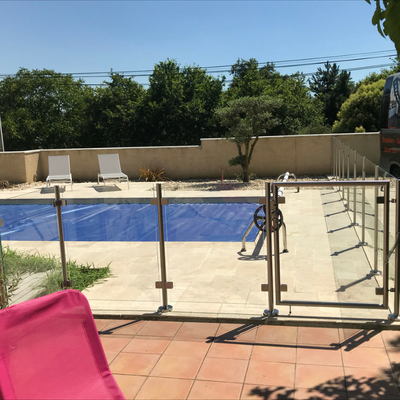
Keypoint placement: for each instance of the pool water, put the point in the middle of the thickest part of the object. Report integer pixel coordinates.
(216, 222)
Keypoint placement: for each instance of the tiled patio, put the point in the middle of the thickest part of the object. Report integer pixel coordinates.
(189, 360)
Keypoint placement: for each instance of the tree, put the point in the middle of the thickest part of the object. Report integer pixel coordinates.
(361, 109)
(332, 87)
(298, 111)
(247, 118)
(115, 114)
(180, 104)
(389, 15)
(42, 109)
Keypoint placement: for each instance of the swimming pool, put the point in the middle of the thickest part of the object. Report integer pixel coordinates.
(187, 222)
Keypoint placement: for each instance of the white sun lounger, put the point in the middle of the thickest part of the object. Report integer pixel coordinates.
(59, 170)
(110, 168)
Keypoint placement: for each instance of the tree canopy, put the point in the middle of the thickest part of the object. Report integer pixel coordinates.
(361, 109)
(332, 87)
(42, 109)
(247, 118)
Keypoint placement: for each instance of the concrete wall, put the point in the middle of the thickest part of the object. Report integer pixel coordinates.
(273, 155)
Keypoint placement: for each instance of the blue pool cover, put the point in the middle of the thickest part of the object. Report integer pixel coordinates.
(216, 222)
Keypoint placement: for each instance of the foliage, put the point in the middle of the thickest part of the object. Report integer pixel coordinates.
(247, 118)
(298, 109)
(4, 184)
(152, 174)
(180, 104)
(83, 277)
(18, 264)
(359, 129)
(42, 109)
(115, 114)
(361, 109)
(387, 13)
(376, 76)
(315, 130)
(332, 87)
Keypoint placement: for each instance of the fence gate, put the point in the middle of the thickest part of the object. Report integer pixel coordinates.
(353, 286)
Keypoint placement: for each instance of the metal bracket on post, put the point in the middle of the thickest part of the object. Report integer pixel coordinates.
(163, 284)
(58, 203)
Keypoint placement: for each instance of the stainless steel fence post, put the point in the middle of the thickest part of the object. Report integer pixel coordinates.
(339, 159)
(385, 272)
(343, 159)
(58, 203)
(376, 221)
(396, 299)
(348, 177)
(163, 285)
(354, 189)
(363, 206)
(268, 226)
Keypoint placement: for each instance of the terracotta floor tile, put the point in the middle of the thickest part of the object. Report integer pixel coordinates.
(270, 374)
(101, 323)
(114, 343)
(323, 394)
(360, 338)
(236, 332)
(257, 392)
(223, 370)
(365, 358)
(191, 349)
(277, 334)
(274, 353)
(391, 338)
(160, 328)
(319, 356)
(144, 345)
(394, 355)
(204, 390)
(177, 367)
(110, 355)
(230, 350)
(315, 336)
(367, 381)
(164, 389)
(319, 377)
(123, 327)
(197, 331)
(129, 384)
(134, 363)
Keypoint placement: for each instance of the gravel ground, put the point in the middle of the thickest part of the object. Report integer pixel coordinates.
(228, 184)
(193, 184)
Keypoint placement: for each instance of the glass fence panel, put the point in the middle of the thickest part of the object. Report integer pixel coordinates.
(30, 249)
(326, 262)
(392, 221)
(112, 247)
(214, 269)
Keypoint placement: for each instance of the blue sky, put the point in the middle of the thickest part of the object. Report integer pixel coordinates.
(97, 36)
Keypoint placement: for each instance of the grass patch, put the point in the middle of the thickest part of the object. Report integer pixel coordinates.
(17, 265)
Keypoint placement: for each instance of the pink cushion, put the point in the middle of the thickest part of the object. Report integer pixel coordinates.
(50, 349)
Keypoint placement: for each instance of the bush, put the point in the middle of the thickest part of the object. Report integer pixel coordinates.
(152, 174)
(18, 264)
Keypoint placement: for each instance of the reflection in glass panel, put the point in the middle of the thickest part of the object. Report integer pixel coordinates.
(212, 271)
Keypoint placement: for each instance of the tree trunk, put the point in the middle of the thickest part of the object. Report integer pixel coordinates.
(246, 174)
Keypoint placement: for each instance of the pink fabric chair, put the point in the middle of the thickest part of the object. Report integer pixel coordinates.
(50, 349)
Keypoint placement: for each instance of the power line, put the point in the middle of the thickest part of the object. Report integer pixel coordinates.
(212, 69)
